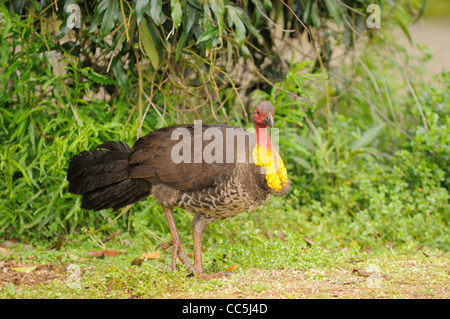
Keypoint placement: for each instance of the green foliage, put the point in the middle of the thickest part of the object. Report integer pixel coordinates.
(366, 142)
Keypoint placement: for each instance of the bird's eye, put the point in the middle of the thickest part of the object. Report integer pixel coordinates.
(257, 112)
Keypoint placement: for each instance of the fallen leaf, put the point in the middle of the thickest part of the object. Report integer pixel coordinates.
(112, 253)
(95, 253)
(231, 268)
(151, 255)
(427, 255)
(24, 270)
(309, 241)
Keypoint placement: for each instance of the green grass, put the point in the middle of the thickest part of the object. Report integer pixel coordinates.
(269, 271)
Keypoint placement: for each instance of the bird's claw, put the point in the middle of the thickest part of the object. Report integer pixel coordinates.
(164, 246)
(178, 254)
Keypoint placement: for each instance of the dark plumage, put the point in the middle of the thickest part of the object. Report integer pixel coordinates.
(114, 175)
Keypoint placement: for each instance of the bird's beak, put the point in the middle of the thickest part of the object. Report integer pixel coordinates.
(269, 120)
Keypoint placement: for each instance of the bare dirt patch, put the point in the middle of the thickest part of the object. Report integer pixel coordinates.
(28, 274)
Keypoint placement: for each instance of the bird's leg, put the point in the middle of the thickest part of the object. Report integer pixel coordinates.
(178, 250)
(199, 224)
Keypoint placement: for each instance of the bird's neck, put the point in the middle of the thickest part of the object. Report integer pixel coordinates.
(267, 157)
(263, 137)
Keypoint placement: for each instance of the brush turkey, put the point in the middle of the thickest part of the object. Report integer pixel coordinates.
(213, 171)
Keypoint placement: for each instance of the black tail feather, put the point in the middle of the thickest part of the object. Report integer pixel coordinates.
(101, 176)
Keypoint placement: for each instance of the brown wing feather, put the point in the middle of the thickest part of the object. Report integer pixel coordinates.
(151, 160)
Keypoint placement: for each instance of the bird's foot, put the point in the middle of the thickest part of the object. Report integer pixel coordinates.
(164, 246)
(178, 253)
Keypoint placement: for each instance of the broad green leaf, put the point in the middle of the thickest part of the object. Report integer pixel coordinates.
(156, 11)
(239, 27)
(219, 8)
(245, 51)
(210, 33)
(198, 32)
(229, 53)
(267, 4)
(103, 5)
(188, 22)
(141, 6)
(96, 77)
(333, 9)
(92, 28)
(177, 13)
(147, 43)
(195, 3)
(258, 18)
(307, 12)
(155, 36)
(111, 8)
(315, 14)
(120, 74)
(189, 19)
(24, 270)
(247, 21)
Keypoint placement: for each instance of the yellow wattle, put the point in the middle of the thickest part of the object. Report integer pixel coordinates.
(276, 174)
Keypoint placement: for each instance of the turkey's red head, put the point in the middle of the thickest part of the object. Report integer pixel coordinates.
(264, 114)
